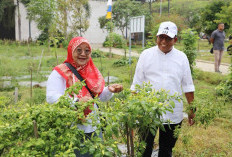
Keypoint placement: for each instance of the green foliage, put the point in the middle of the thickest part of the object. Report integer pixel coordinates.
(4, 101)
(224, 16)
(189, 38)
(52, 15)
(102, 21)
(48, 130)
(38, 96)
(206, 111)
(123, 10)
(4, 4)
(208, 16)
(57, 132)
(177, 19)
(141, 112)
(42, 11)
(80, 18)
(114, 40)
(121, 62)
(97, 54)
(225, 88)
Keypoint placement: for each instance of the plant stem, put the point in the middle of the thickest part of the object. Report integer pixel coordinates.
(127, 140)
(132, 143)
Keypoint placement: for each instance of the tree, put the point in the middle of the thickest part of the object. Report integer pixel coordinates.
(225, 16)
(3, 5)
(80, 16)
(42, 11)
(177, 19)
(123, 10)
(53, 15)
(208, 16)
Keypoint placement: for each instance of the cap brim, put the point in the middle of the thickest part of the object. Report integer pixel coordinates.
(171, 35)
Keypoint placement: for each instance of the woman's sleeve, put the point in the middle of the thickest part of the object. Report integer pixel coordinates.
(56, 86)
(106, 94)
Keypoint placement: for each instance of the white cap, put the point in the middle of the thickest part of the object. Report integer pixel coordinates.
(169, 28)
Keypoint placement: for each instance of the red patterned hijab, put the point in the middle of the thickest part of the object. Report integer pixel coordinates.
(89, 72)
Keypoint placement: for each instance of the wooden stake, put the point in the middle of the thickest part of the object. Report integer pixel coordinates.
(128, 140)
(16, 94)
(35, 129)
(31, 82)
(108, 79)
(40, 61)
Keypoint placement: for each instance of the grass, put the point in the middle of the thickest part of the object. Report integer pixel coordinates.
(196, 141)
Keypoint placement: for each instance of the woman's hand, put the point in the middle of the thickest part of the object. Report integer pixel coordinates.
(115, 88)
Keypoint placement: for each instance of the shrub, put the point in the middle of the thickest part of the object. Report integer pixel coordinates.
(190, 46)
(121, 62)
(117, 41)
(38, 96)
(97, 54)
(225, 88)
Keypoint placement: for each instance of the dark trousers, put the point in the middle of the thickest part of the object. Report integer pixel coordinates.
(166, 141)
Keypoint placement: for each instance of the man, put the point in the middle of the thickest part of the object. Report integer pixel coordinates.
(166, 68)
(217, 39)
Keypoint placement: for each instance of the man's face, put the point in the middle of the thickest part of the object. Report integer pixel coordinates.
(221, 27)
(165, 43)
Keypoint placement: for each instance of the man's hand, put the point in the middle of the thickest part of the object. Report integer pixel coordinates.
(191, 115)
(115, 88)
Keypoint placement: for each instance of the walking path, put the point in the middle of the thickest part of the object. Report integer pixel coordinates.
(200, 64)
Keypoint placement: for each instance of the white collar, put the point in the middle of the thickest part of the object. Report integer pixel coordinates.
(166, 54)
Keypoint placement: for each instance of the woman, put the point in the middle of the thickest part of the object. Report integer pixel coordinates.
(79, 56)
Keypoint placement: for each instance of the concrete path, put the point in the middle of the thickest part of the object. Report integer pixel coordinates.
(201, 64)
(209, 66)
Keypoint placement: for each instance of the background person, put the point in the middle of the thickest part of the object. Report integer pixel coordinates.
(79, 56)
(166, 68)
(217, 39)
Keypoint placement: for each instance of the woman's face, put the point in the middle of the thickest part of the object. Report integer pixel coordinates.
(81, 54)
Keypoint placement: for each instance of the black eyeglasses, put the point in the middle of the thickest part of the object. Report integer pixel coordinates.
(86, 51)
(168, 39)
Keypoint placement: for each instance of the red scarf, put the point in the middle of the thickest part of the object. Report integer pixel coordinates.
(89, 73)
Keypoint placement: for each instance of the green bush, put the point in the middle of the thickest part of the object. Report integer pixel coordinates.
(225, 87)
(65, 43)
(38, 96)
(189, 38)
(97, 54)
(121, 62)
(117, 41)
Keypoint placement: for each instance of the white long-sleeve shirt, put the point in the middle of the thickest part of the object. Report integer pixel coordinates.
(169, 71)
(56, 86)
